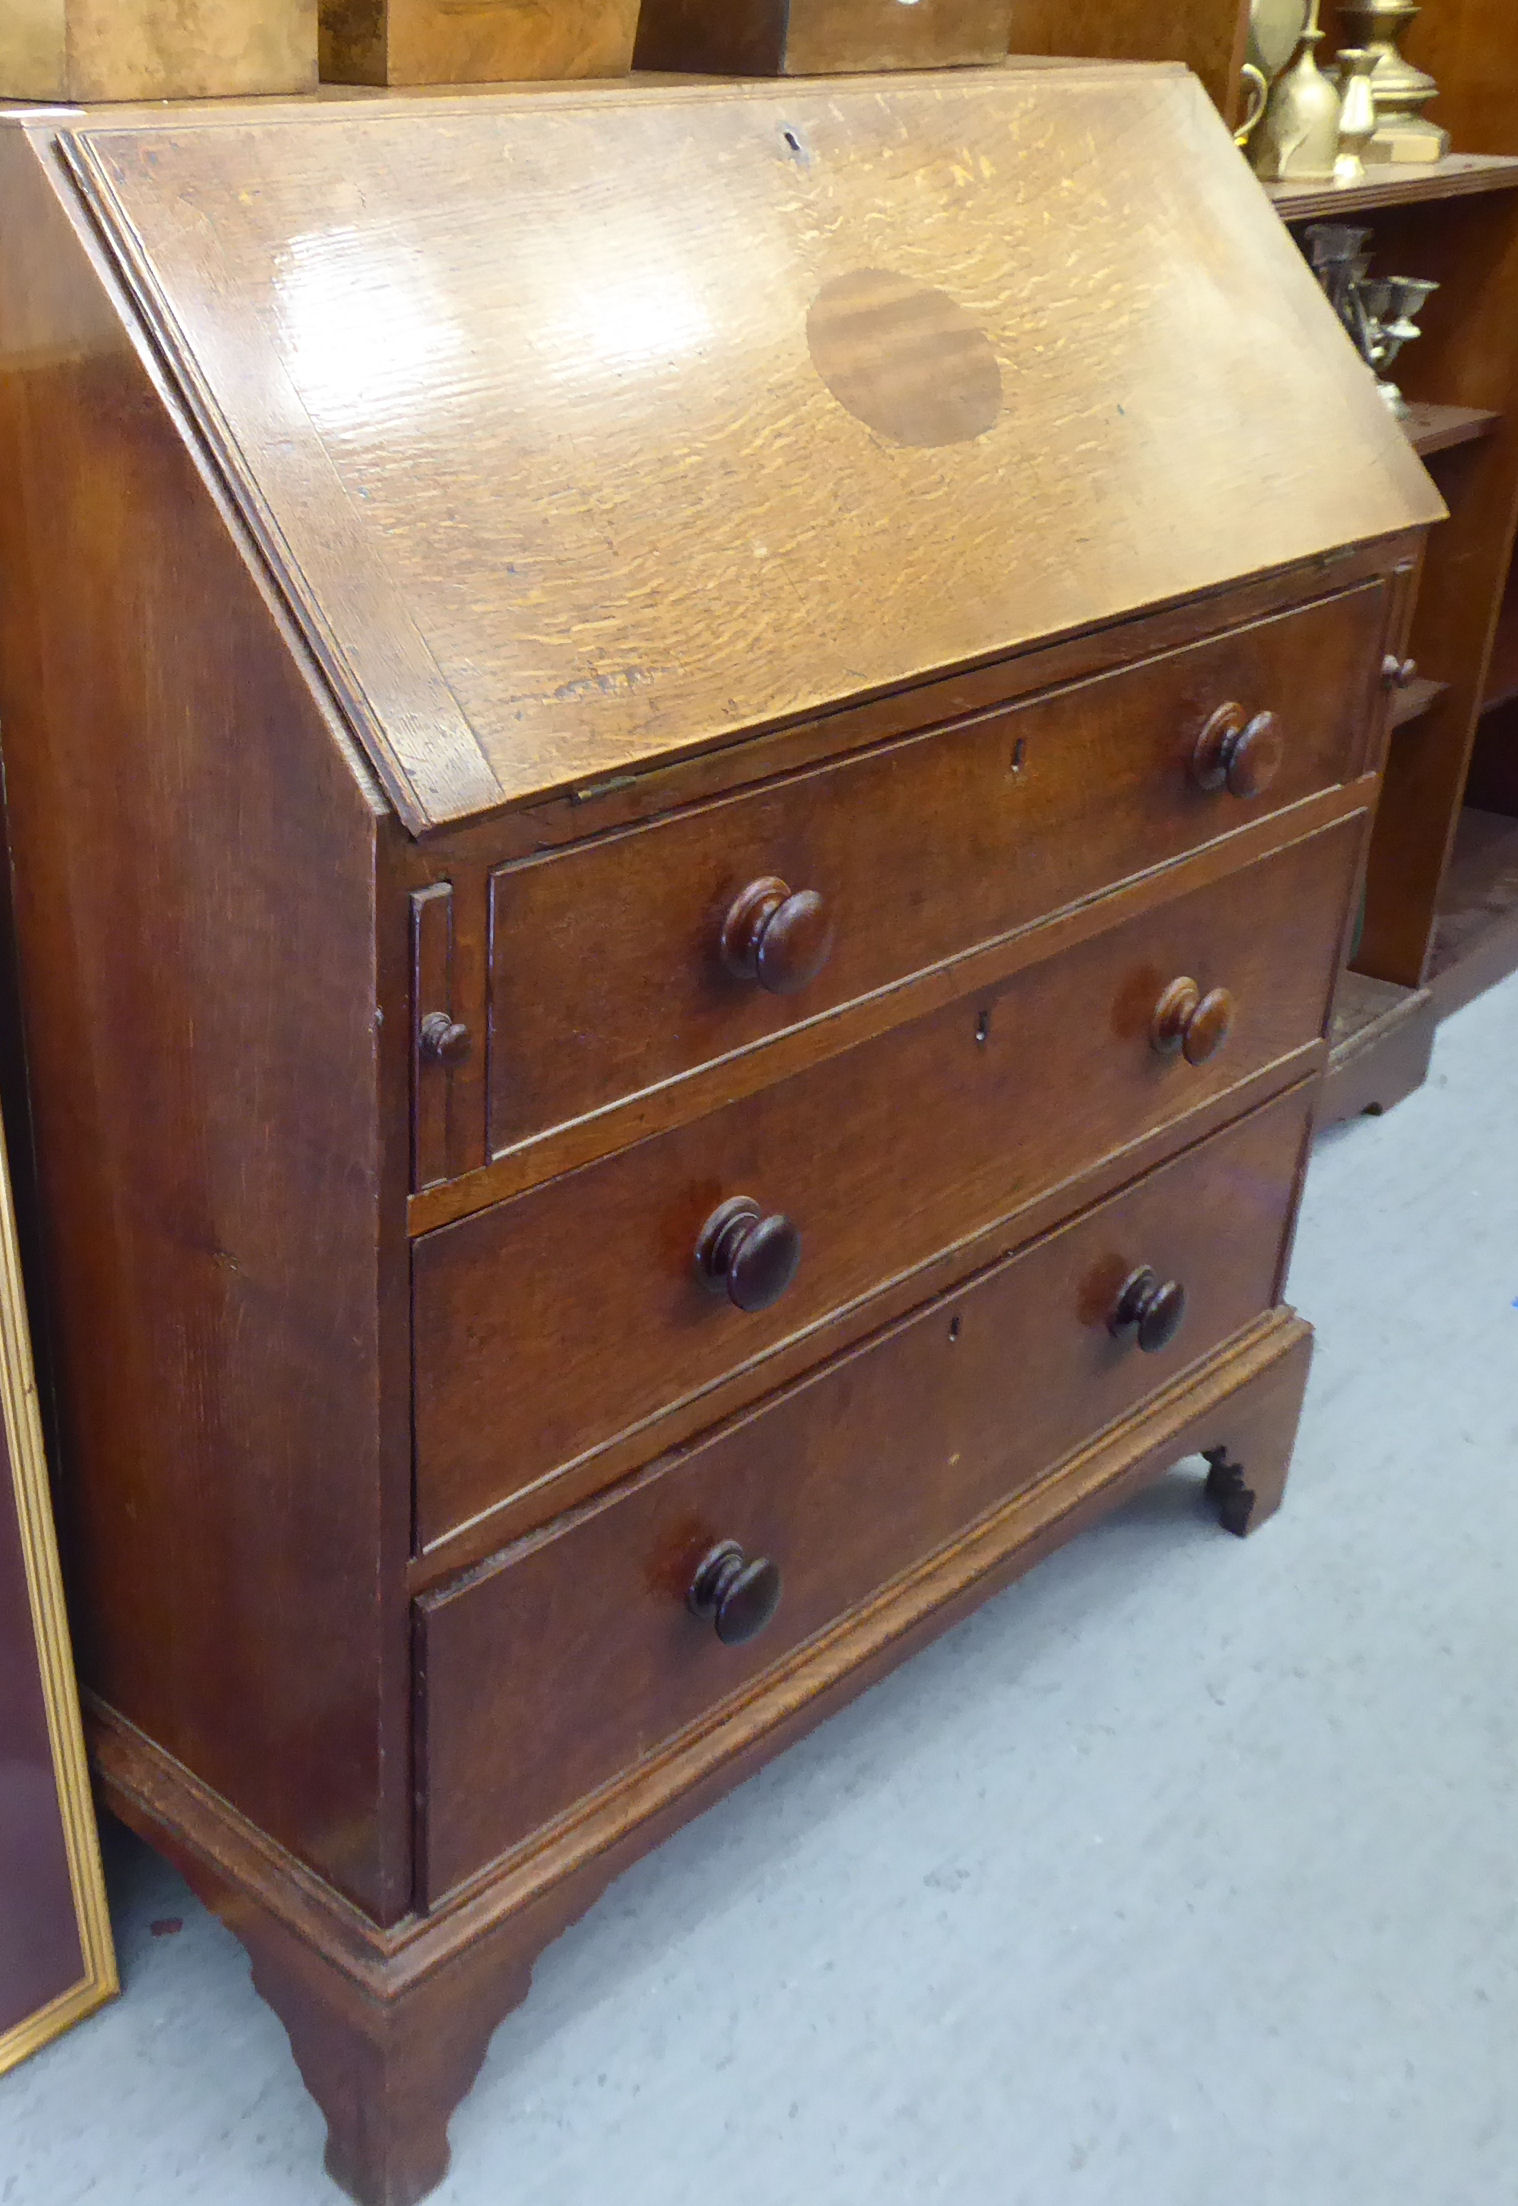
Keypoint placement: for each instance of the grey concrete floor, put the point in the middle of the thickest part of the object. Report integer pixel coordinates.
(1185, 1871)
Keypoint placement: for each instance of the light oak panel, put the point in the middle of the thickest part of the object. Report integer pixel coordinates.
(438, 397)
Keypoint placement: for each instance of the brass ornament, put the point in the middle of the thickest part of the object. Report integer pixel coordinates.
(1403, 133)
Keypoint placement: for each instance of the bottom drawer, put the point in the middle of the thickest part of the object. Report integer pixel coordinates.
(556, 1666)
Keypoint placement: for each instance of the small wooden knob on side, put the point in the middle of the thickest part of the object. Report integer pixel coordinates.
(747, 1255)
(1237, 753)
(444, 1040)
(1149, 1308)
(1188, 1024)
(779, 937)
(735, 1595)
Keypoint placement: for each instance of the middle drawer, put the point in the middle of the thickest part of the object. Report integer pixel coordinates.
(552, 1323)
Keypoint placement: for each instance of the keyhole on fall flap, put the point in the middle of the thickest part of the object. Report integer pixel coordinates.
(983, 1028)
(1019, 755)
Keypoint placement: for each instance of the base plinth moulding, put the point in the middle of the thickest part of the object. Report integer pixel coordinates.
(389, 2027)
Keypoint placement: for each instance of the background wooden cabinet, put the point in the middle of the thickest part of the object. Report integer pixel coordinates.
(1441, 910)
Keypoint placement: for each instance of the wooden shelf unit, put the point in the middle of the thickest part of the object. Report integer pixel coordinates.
(1461, 175)
(1502, 670)
(1457, 728)
(1418, 698)
(1476, 933)
(1433, 428)
(1379, 1046)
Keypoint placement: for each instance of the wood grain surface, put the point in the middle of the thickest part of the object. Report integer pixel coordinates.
(572, 1657)
(212, 1097)
(1209, 36)
(816, 37)
(395, 42)
(389, 2025)
(548, 1325)
(146, 50)
(606, 968)
(436, 396)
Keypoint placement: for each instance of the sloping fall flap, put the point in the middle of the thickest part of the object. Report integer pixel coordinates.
(586, 429)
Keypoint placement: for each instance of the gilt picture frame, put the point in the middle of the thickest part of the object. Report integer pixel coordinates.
(57, 1961)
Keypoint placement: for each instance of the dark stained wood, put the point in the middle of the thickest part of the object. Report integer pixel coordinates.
(1195, 1025)
(490, 648)
(1148, 1310)
(525, 1363)
(735, 1593)
(1432, 428)
(1034, 809)
(1469, 46)
(778, 936)
(484, 1536)
(1476, 936)
(1461, 176)
(432, 1000)
(749, 1257)
(936, 1412)
(198, 979)
(337, 1983)
(1207, 35)
(816, 37)
(566, 477)
(1239, 751)
(1383, 1037)
(1467, 354)
(481, 42)
(1502, 672)
(1414, 698)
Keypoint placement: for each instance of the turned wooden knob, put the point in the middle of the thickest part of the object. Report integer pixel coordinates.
(1398, 673)
(780, 939)
(747, 1255)
(1238, 754)
(443, 1039)
(1190, 1024)
(1148, 1307)
(735, 1596)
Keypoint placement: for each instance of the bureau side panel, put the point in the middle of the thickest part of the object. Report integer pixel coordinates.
(193, 863)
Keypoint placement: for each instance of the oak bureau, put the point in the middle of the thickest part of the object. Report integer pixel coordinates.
(686, 769)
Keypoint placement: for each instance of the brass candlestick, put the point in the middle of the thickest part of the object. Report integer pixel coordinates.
(1377, 311)
(1403, 133)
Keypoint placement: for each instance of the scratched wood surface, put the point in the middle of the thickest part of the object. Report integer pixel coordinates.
(590, 433)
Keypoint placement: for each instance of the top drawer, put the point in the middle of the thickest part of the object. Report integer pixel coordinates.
(609, 972)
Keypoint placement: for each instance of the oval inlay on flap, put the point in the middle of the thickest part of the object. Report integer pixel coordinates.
(906, 360)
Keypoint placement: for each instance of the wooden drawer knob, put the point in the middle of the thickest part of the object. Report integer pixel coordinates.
(748, 1255)
(781, 940)
(735, 1596)
(1191, 1024)
(1150, 1308)
(1238, 754)
(443, 1039)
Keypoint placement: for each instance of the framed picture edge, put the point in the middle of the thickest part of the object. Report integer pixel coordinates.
(44, 1580)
